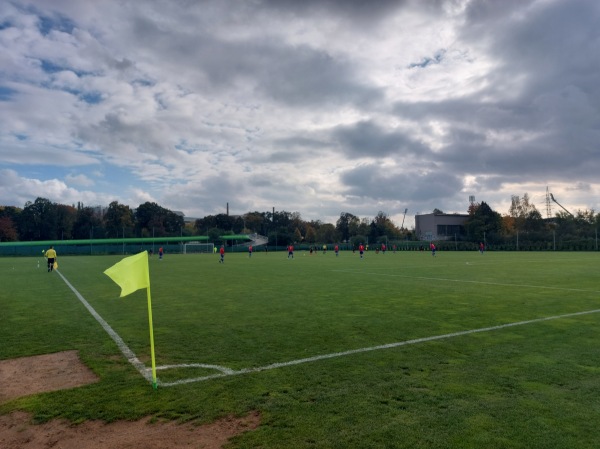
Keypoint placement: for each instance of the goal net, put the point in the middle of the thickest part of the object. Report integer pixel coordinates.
(198, 248)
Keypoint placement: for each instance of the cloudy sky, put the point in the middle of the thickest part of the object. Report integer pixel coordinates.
(314, 106)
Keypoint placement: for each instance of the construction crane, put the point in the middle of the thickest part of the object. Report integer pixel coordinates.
(563, 208)
(405, 211)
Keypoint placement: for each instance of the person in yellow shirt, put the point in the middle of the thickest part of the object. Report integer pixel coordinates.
(50, 254)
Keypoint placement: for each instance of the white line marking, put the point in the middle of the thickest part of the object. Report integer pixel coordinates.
(226, 372)
(375, 348)
(223, 369)
(128, 353)
(425, 278)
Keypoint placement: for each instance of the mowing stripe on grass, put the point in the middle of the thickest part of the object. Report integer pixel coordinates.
(501, 284)
(226, 372)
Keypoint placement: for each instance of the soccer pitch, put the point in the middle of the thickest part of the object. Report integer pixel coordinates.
(395, 350)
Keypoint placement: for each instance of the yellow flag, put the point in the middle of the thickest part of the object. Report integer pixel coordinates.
(131, 273)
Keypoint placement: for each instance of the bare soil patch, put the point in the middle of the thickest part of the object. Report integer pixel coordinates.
(40, 373)
(50, 372)
(17, 432)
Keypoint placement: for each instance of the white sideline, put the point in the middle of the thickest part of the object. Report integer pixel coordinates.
(128, 353)
(226, 372)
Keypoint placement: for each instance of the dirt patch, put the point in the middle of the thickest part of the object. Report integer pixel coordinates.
(40, 373)
(17, 432)
(50, 372)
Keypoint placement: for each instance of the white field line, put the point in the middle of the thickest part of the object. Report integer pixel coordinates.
(226, 372)
(128, 353)
(501, 284)
(374, 348)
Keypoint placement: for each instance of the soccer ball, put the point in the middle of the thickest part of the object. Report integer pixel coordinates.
(43, 251)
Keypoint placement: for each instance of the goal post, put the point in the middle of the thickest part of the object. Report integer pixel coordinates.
(198, 248)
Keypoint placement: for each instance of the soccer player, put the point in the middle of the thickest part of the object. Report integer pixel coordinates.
(290, 251)
(361, 250)
(481, 247)
(50, 254)
(222, 253)
(337, 250)
(432, 247)
(250, 251)
(160, 253)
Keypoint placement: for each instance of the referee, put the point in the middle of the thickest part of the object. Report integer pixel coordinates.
(51, 256)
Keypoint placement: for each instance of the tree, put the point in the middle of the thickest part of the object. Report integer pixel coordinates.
(65, 219)
(224, 222)
(256, 222)
(153, 220)
(10, 216)
(483, 223)
(88, 224)
(297, 236)
(346, 225)
(311, 235)
(8, 231)
(328, 234)
(521, 209)
(118, 219)
(38, 220)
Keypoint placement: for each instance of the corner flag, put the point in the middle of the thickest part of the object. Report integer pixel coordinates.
(132, 274)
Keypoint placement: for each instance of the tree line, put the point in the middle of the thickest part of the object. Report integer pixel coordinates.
(523, 227)
(46, 220)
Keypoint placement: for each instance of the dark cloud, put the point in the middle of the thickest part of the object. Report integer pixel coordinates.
(367, 139)
(373, 182)
(353, 10)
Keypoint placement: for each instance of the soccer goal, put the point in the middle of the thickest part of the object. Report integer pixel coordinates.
(198, 248)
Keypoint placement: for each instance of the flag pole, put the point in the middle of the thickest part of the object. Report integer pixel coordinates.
(154, 384)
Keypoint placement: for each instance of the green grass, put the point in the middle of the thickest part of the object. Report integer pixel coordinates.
(528, 386)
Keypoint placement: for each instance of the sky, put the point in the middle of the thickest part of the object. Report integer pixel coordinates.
(319, 107)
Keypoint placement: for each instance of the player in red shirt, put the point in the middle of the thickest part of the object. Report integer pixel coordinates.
(250, 251)
(222, 253)
(337, 250)
(290, 251)
(361, 250)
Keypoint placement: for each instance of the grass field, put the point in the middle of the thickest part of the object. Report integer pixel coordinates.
(484, 351)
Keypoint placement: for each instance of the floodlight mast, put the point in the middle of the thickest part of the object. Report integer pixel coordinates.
(405, 211)
(563, 208)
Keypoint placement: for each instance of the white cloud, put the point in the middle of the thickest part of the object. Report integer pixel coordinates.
(319, 107)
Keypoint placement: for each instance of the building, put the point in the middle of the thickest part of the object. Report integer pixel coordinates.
(438, 226)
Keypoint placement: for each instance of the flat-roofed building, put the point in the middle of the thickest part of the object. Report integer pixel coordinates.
(437, 226)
